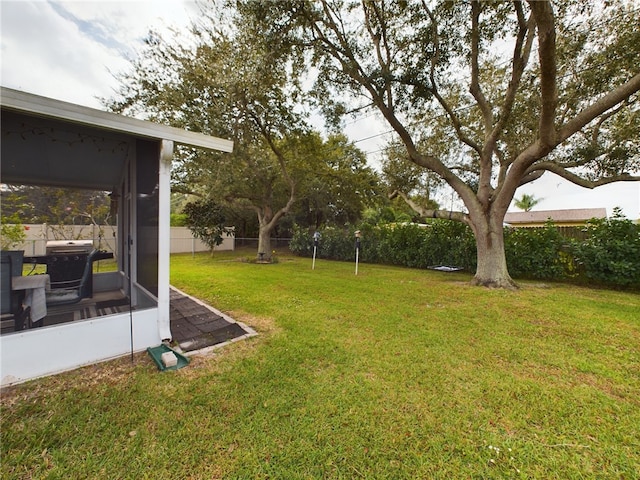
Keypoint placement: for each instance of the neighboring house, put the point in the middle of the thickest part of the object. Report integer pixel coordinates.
(53, 143)
(561, 218)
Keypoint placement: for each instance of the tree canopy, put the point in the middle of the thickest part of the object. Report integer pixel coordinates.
(489, 96)
(207, 221)
(222, 83)
(56, 206)
(227, 82)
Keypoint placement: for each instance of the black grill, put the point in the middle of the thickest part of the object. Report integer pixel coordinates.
(67, 262)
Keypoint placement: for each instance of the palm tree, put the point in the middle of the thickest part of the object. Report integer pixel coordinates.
(527, 202)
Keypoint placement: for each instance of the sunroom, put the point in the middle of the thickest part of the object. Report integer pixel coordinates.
(52, 143)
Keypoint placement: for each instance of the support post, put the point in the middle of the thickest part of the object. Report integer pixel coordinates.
(316, 238)
(357, 249)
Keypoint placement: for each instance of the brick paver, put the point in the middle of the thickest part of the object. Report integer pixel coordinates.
(195, 326)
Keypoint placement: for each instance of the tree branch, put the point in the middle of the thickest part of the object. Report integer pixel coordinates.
(537, 150)
(384, 60)
(530, 177)
(520, 59)
(343, 54)
(474, 89)
(603, 118)
(455, 121)
(484, 181)
(274, 148)
(599, 107)
(430, 213)
(577, 179)
(281, 161)
(545, 22)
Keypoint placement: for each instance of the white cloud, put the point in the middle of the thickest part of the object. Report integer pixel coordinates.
(70, 50)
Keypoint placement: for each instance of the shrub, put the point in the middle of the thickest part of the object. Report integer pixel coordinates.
(178, 220)
(335, 243)
(401, 245)
(207, 221)
(611, 252)
(451, 243)
(441, 242)
(301, 242)
(12, 232)
(536, 252)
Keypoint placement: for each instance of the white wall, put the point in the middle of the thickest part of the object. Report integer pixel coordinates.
(104, 237)
(44, 351)
(183, 241)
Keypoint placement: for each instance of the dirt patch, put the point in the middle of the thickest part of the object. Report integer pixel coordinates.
(262, 325)
(532, 286)
(111, 372)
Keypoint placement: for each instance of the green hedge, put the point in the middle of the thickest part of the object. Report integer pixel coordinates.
(538, 253)
(609, 255)
(442, 243)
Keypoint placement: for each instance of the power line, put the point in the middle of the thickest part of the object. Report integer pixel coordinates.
(374, 136)
(473, 105)
(359, 119)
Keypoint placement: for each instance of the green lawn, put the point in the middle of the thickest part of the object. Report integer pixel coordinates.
(390, 374)
(107, 265)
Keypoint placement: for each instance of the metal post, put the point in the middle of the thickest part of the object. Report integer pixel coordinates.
(357, 249)
(316, 238)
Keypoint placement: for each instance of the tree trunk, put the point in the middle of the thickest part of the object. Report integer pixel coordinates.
(264, 244)
(492, 262)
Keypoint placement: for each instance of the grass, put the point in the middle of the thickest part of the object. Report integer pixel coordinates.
(393, 373)
(107, 265)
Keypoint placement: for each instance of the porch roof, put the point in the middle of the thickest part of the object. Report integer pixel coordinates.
(51, 142)
(47, 107)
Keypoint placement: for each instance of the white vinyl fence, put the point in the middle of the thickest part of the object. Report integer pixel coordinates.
(105, 238)
(182, 240)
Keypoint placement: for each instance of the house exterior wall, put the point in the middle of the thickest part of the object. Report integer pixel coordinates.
(561, 223)
(575, 217)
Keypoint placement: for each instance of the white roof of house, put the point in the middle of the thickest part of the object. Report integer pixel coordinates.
(567, 215)
(18, 101)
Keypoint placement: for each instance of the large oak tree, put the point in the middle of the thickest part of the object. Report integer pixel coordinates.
(512, 90)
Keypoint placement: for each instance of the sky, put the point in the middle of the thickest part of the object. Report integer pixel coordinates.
(70, 50)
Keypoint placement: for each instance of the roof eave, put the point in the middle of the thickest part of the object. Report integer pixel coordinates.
(47, 107)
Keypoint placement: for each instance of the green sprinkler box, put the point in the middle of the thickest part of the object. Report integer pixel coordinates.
(166, 358)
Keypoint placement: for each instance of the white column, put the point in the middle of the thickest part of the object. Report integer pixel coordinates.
(164, 238)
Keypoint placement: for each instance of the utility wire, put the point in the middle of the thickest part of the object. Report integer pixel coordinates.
(473, 105)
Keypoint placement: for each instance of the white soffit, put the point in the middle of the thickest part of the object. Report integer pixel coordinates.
(47, 107)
